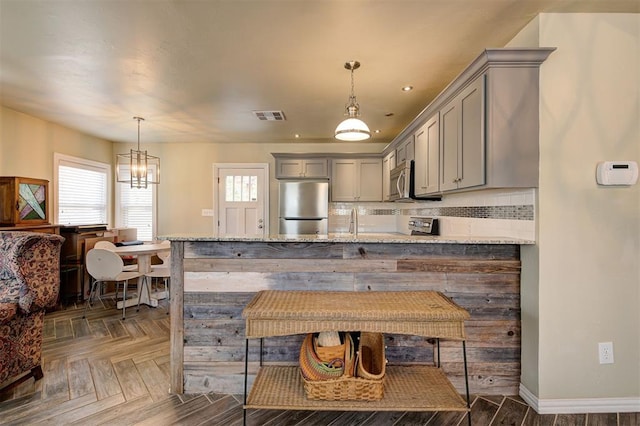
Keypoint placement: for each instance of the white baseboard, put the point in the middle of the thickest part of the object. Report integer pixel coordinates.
(581, 405)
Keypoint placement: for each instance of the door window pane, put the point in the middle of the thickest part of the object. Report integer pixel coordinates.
(241, 188)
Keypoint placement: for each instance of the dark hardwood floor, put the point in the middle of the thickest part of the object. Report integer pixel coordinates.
(102, 370)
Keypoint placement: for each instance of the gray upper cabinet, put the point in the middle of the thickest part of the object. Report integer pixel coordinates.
(388, 164)
(462, 159)
(354, 179)
(405, 151)
(302, 168)
(427, 157)
(485, 125)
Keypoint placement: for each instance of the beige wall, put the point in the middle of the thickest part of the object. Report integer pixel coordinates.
(187, 177)
(586, 288)
(27, 145)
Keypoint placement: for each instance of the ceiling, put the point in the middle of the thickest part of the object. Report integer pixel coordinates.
(195, 70)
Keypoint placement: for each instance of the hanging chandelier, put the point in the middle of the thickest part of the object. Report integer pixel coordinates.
(137, 167)
(352, 129)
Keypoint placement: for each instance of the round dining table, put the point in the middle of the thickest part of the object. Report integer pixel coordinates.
(143, 253)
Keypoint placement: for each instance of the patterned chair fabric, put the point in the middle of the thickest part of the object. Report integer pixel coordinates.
(29, 283)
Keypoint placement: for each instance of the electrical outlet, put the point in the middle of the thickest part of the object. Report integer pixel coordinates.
(605, 349)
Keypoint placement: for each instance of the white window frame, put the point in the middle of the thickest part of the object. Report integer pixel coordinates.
(62, 159)
(154, 208)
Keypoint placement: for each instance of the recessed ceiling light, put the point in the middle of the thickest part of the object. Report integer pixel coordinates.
(377, 131)
(297, 136)
(407, 88)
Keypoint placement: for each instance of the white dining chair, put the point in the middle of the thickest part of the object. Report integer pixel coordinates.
(108, 245)
(163, 255)
(161, 271)
(104, 266)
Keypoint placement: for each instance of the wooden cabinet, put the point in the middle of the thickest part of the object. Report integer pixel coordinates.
(356, 179)
(23, 201)
(388, 164)
(462, 120)
(305, 168)
(45, 229)
(427, 157)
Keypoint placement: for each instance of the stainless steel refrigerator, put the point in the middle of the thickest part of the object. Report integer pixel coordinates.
(304, 207)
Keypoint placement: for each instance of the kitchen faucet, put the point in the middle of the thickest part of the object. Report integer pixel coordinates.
(353, 223)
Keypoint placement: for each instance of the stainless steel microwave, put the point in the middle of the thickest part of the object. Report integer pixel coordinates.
(400, 179)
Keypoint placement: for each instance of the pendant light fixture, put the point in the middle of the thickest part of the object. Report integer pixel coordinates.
(352, 129)
(138, 168)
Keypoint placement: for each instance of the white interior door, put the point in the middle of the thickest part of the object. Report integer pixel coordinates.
(242, 200)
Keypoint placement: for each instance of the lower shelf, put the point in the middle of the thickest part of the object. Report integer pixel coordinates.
(406, 388)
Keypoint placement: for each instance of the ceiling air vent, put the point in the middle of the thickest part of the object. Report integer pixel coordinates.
(270, 115)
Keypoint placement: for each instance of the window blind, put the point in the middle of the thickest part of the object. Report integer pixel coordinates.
(82, 194)
(136, 210)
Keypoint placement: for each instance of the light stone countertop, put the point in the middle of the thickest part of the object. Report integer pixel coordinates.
(388, 238)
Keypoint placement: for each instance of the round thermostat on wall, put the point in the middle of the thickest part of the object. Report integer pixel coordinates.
(617, 173)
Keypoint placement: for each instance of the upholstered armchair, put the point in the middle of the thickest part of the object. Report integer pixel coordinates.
(29, 283)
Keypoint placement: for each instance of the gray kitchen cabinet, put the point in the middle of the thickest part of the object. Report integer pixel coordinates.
(427, 157)
(302, 168)
(405, 151)
(488, 125)
(462, 160)
(388, 164)
(355, 179)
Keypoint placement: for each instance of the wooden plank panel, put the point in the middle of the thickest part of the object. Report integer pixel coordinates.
(115, 415)
(418, 251)
(116, 328)
(157, 383)
(80, 409)
(288, 265)
(132, 384)
(48, 330)
(438, 281)
(79, 376)
(104, 378)
(473, 266)
(484, 279)
(176, 338)
(55, 382)
(63, 328)
(80, 327)
(175, 414)
(214, 298)
(257, 281)
(258, 250)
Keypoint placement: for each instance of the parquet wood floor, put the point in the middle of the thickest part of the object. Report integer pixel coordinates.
(102, 370)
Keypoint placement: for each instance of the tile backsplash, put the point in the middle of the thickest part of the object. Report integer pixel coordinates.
(491, 213)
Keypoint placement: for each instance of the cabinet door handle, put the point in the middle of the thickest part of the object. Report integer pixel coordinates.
(17, 206)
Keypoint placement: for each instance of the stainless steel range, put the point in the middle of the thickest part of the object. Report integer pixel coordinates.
(424, 226)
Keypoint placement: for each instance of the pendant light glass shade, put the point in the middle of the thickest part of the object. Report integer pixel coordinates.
(138, 168)
(352, 129)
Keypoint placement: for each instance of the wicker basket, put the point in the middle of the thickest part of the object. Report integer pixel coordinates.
(372, 363)
(347, 387)
(329, 353)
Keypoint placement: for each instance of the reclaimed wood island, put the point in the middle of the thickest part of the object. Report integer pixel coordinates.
(213, 279)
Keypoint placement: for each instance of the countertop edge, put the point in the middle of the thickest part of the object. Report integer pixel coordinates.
(378, 238)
